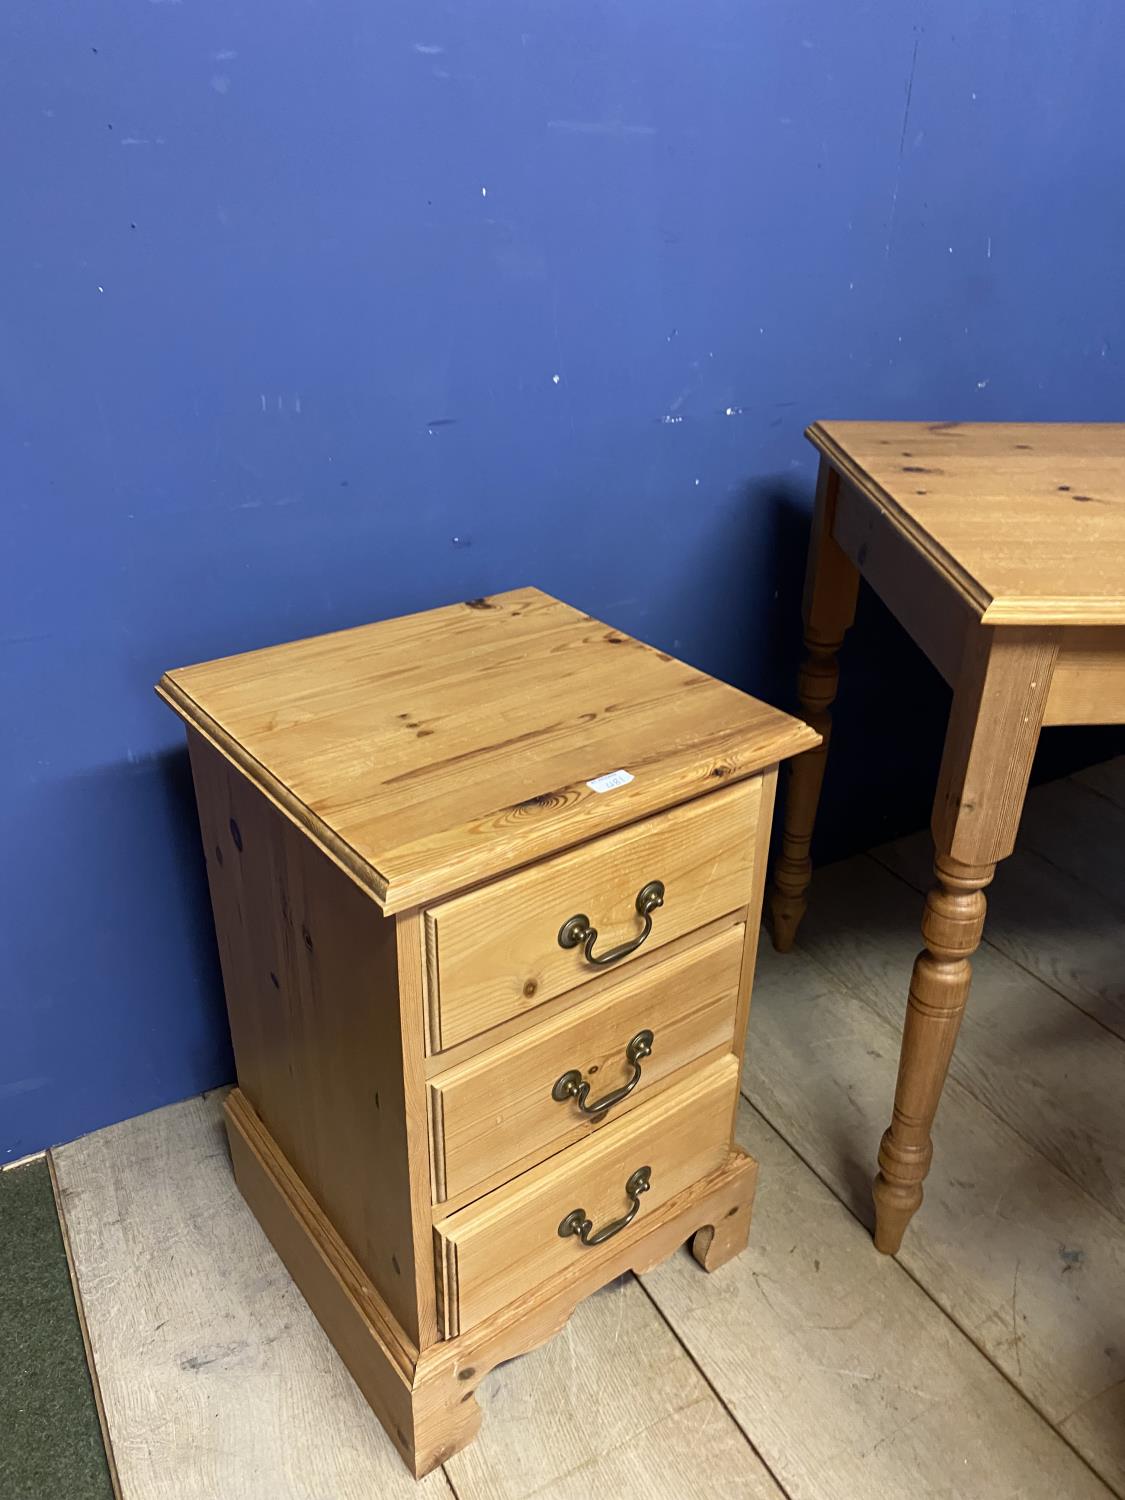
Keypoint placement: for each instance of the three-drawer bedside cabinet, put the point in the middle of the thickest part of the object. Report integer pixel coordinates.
(486, 883)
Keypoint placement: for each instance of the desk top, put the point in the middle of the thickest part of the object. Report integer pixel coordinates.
(1027, 519)
(426, 753)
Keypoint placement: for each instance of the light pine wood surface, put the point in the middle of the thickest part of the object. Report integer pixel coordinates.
(1001, 549)
(495, 952)
(1077, 952)
(1053, 1073)
(986, 1360)
(507, 1243)
(499, 1109)
(381, 742)
(310, 972)
(339, 784)
(831, 587)
(1028, 519)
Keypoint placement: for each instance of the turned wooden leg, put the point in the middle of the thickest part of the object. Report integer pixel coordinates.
(951, 929)
(999, 699)
(793, 870)
(831, 585)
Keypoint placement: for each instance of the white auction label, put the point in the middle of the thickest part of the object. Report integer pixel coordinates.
(610, 781)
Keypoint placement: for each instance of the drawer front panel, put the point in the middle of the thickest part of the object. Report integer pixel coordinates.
(509, 1242)
(499, 1111)
(495, 952)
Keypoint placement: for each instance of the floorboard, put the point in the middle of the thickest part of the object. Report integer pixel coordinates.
(850, 1378)
(1044, 919)
(987, 1360)
(1056, 904)
(216, 1379)
(1028, 1265)
(612, 1407)
(1040, 1064)
(1080, 830)
(1108, 780)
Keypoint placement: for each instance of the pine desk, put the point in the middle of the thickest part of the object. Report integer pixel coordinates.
(1001, 549)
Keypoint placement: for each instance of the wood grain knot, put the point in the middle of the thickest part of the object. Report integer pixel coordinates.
(542, 802)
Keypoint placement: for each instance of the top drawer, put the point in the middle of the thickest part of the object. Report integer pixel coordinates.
(496, 952)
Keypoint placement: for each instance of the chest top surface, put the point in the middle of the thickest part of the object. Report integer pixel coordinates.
(429, 752)
(1028, 519)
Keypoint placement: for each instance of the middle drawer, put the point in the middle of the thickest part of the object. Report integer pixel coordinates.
(512, 1106)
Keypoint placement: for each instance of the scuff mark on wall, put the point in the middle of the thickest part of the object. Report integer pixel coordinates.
(901, 147)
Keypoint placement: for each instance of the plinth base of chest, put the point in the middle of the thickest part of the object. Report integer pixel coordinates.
(425, 1399)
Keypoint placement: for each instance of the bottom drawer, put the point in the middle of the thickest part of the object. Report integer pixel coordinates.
(509, 1242)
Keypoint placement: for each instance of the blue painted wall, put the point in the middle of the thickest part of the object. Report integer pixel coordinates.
(314, 313)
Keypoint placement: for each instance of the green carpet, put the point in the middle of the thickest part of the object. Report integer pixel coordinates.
(50, 1440)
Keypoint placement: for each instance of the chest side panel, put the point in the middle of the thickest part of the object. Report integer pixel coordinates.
(310, 972)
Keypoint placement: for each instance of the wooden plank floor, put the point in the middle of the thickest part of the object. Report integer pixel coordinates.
(986, 1360)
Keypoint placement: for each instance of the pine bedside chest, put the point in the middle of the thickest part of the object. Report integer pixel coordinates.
(487, 884)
